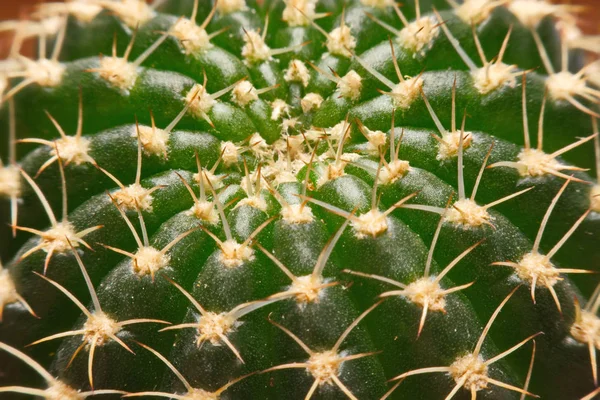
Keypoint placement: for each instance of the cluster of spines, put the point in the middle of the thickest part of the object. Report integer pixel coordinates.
(136, 198)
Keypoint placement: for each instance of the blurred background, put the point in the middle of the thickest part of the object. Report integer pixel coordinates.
(590, 21)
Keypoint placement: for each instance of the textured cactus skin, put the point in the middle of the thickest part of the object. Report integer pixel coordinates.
(391, 331)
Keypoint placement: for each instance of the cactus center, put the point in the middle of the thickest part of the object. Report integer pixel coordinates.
(376, 138)
(297, 214)
(3, 85)
(565, 85)
(233, 254)
(118, 72)
(99, 328)
(47, 26)
(587, 329)
(10, 181)
(251, 181)
(427, 291)
(404, 93)
(332, 171)
(306, 289)
(594, 198)
(474, 11)
(133, 196)
(200, 101)
(229, 6)
(60, 391)
(281, 172)
(529, 12)
(450, 142)
(375, 141)
(324, 366)
(294, 147)
(259, 146)
(153, 140)
(255, 49)
(473, 369)
(494, 76)
(230, 153)
(82, 11)
(72, 150)
(535, 267)
(193, 38)
(207, 178)
(393, 171)
(45, 72)
(56, 239)
(148, 260)
(132, 12)
(8, 291)
(341, 42)
(349, 158)
(199, 394)
(299, 12)
(537, 163)
(378, 3)
(338, 131)
(310, 102)
(244, 93)
(297, 72)
(205, 211)
(372, 223)
(350, 85)
(419, 35)
(214, 327)
(280, 108)
(467, 213)
(255, 201)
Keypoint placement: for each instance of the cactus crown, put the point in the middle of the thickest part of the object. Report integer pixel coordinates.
(300, 198)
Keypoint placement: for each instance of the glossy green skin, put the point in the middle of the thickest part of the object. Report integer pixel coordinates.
(562, 368)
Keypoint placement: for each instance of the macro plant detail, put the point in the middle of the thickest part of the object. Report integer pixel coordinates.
(304, 199)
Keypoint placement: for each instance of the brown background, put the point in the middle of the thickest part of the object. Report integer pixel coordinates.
(590, 18)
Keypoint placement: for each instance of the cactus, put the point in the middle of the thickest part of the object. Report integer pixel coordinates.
(247, 199)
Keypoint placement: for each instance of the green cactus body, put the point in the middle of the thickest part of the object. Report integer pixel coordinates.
(300, 199)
